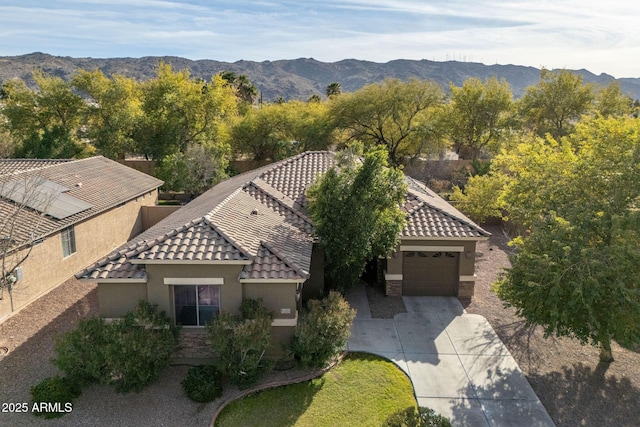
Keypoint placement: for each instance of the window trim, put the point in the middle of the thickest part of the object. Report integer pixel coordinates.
(68, 237)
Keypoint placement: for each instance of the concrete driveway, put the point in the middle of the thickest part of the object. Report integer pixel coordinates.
(458, 365)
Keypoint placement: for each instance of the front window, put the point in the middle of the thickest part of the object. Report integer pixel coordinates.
(68, 241)
(195, 305)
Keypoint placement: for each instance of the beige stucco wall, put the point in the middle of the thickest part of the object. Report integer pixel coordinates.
(45, 268)
(117, 299)
(276, 296)
(162, 295)
(151, 215)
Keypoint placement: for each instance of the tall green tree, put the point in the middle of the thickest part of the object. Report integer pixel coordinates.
(556, 103)
(478, 115)
(44, 123)
(179, 111)
(610, 101)
(356, 214)
(113, 111)
(397, 115)
(577, 273)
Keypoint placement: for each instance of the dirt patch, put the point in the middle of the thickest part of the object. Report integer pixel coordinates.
(382, 306)
(575, 388)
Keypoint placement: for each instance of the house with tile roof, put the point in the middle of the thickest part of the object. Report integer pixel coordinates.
(251, 237)
(65, 214)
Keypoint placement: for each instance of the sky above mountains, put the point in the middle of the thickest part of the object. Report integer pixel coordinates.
(599, 36)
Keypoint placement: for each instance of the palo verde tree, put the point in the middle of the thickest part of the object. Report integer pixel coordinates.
(577, 272)
(477, 115)
(397, 115)
(46, 123)
(556, 103)
(112, 113)
(356, 213)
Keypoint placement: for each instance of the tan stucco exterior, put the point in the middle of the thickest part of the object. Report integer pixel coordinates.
(46, 268)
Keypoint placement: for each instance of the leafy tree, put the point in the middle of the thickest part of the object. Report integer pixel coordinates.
(196, 170)
(577, 272)
(113, 111)
(276, 131)
(355, 210)
(262, 133)
(333, 89)
(610, 101)
(45, 123)
(556, 103)
(179, 111)
(480, 198)
(477, 115)
(398, 115)
(314, 98)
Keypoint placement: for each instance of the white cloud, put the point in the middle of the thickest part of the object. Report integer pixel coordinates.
(599, 36)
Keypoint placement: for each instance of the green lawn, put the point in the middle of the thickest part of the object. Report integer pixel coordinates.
(362, 390)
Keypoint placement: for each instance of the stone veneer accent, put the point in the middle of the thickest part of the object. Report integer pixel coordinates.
(466, 289)
(394, 288)
(193, 345)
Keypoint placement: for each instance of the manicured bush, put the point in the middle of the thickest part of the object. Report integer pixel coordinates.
(422, 417)
(128, 353)
(241, 343)
(323, 330)
(57, 392)
(203, 383)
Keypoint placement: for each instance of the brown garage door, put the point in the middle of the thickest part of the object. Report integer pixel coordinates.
(430, 273)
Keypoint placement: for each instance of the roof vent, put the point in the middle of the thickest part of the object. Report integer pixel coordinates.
(254, 212)
(79, 184)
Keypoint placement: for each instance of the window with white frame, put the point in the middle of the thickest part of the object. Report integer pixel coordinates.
(196, 305)
(68, 236)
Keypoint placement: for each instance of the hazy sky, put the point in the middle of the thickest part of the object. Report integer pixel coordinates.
(601, 36)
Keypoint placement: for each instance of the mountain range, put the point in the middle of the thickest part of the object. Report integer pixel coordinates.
(296, 78)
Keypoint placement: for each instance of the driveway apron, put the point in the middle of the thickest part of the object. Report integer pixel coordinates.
(457, 363)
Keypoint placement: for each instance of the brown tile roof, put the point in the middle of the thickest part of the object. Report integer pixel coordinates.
(261, 216)
(101, 182)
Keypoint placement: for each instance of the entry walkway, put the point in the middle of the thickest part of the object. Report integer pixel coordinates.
(457, 363)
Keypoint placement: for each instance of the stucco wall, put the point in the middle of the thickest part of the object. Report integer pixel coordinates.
(161, 294)
(276, 296)
(117, 299)
(46, 268)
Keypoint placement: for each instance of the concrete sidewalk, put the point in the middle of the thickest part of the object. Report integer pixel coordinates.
(458, 365)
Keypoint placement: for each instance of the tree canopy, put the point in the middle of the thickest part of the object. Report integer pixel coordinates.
(478, 115)
(356, 214)
(577, 271)
(397, 115)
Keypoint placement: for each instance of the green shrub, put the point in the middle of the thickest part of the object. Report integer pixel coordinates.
(203, 383)
(59, 391)
(241, 343)
(323, 330)
(80, 353)
(128, 353)
(410, 417)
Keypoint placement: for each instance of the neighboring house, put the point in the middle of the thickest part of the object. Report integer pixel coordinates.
(91, 206)
(251, 237)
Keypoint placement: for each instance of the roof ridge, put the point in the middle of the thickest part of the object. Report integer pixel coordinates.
(278, 200)
(228, 238)
(284, 259)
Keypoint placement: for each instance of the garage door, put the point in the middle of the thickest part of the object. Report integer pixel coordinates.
(430, 273)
